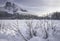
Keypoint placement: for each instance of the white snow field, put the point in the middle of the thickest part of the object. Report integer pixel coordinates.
(29, 30)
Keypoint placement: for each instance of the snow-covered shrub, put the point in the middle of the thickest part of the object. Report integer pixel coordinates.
(30, 30)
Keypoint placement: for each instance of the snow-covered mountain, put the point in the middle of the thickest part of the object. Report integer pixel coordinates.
(11, 8)
(12, 11)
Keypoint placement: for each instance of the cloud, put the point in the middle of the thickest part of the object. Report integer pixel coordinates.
(39, 3)
(3, 1)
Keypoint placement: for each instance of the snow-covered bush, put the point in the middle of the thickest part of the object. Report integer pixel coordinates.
(30, 30)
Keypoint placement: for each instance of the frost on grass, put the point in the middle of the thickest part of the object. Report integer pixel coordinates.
(29, 30)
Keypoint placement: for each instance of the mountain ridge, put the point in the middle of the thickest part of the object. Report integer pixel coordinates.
(12, 11)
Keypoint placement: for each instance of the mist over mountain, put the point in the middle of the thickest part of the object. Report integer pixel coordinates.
(12, 11)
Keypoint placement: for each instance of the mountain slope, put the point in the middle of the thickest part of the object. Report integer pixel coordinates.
(12, 11)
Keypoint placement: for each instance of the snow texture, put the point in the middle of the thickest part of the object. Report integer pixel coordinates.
(29, 30)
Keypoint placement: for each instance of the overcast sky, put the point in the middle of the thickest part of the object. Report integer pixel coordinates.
(40, 7)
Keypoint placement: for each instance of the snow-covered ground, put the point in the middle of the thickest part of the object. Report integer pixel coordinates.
(29, 30)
